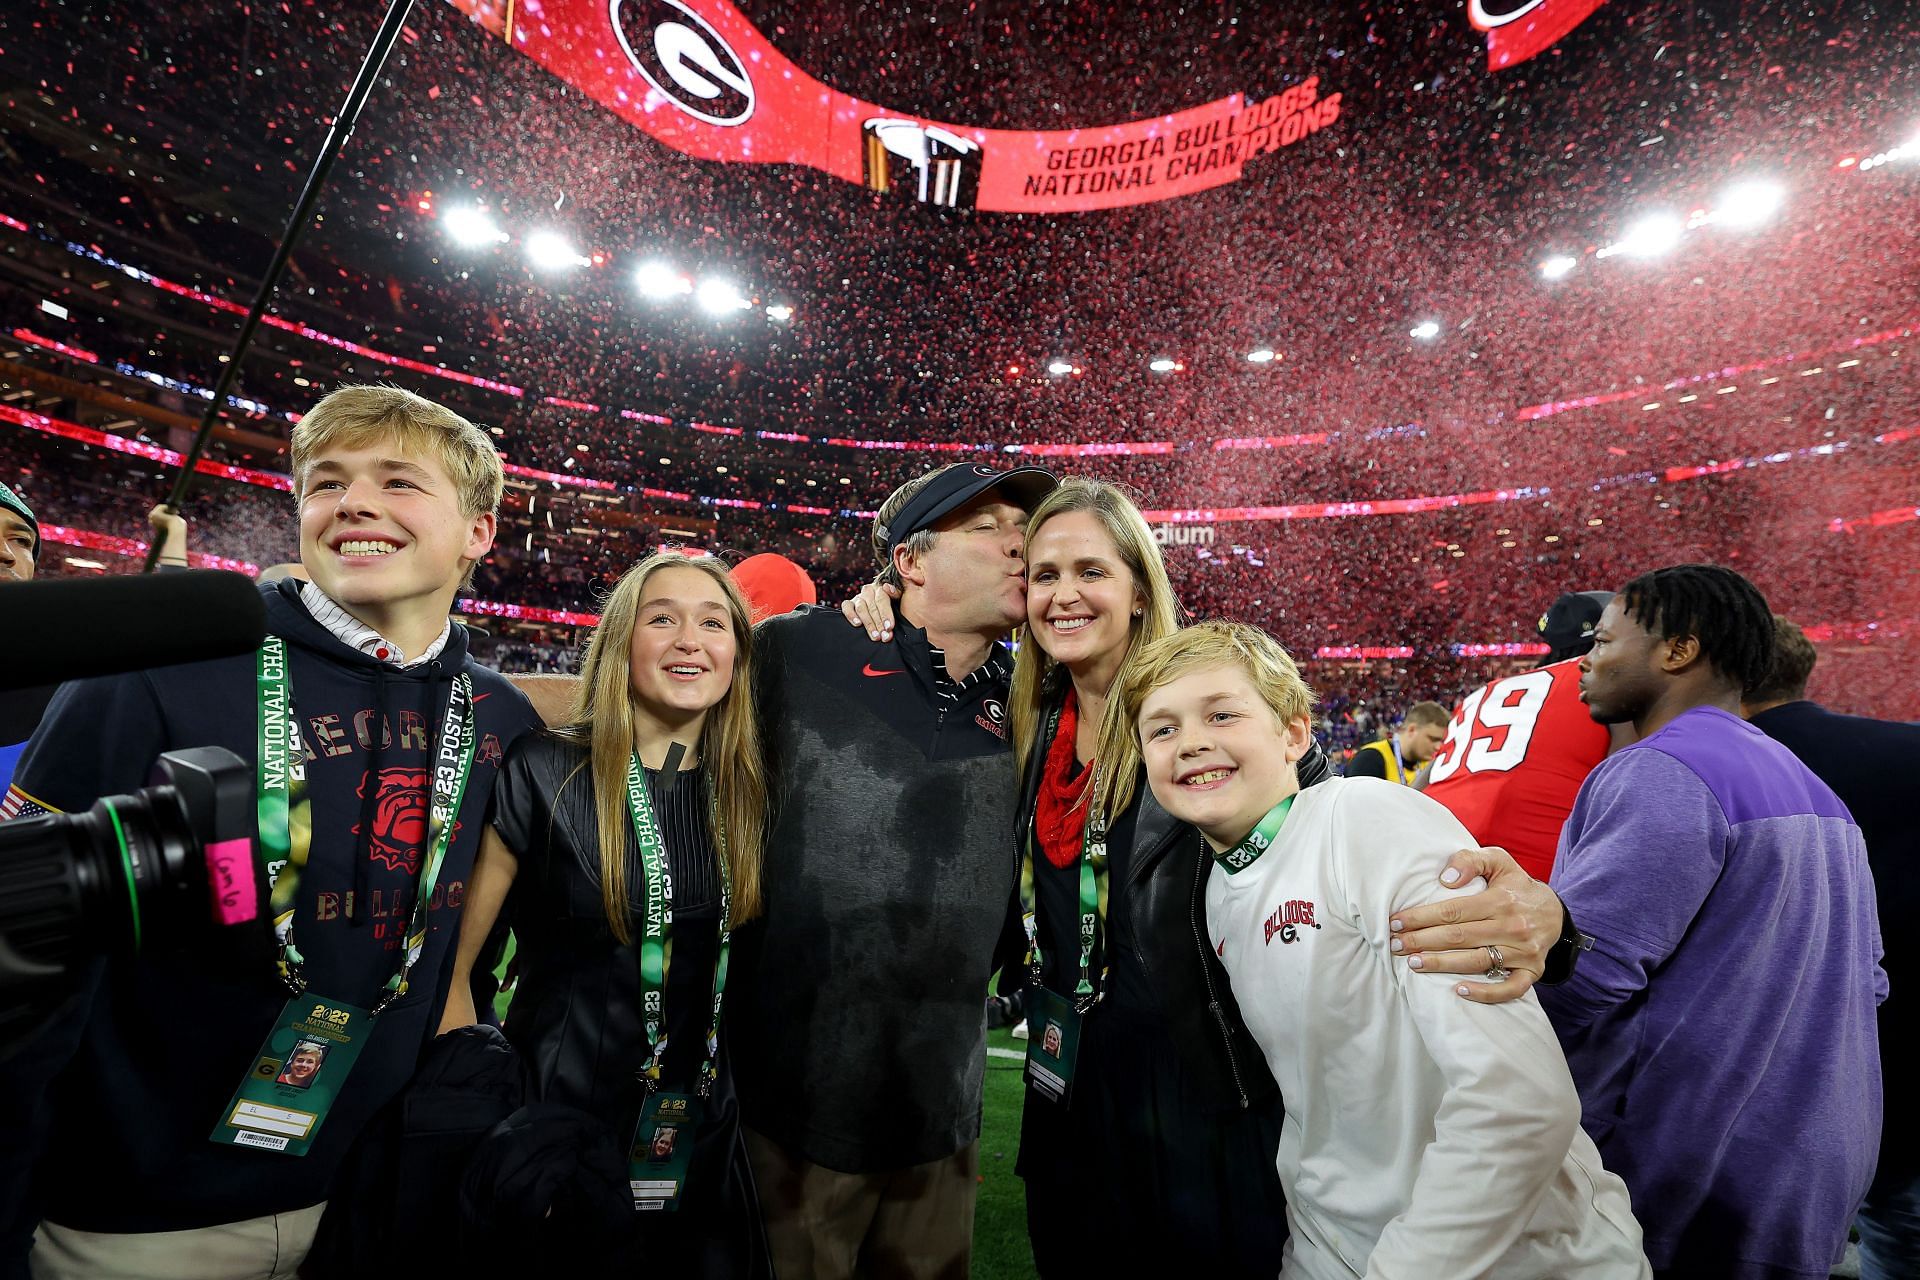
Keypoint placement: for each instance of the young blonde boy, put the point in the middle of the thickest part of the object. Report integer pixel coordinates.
(1426, 1136)
(118, 1171)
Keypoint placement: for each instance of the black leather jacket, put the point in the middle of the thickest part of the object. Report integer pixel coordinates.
(1166, 897)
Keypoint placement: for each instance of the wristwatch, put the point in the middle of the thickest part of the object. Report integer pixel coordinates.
(1564, 954)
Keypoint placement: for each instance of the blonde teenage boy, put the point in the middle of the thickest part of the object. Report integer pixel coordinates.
(1426, 1136)
(132, 1162)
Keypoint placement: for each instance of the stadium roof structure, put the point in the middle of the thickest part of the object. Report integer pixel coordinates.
(1568, 278)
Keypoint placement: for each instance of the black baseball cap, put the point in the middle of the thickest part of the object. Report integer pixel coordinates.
(1567, 626)
(953, 488)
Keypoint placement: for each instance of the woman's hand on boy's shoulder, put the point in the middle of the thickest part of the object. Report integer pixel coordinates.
(1510, 925)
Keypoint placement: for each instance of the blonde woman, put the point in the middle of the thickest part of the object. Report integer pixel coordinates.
(624, 849)
(1148, 1109)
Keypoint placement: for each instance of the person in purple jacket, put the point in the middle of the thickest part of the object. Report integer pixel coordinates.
(1721, 1030)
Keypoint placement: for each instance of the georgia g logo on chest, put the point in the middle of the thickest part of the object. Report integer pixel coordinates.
(1288, 919)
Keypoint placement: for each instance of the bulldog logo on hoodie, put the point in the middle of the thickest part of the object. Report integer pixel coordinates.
(400, 813)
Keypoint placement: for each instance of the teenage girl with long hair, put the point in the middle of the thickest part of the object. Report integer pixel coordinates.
(624, 849)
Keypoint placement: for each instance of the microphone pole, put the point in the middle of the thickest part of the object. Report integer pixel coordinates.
(342, 128)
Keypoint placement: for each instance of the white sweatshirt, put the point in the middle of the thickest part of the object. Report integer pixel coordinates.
(1427, 1137)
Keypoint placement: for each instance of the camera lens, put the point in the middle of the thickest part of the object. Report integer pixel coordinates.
(170, 868)
(106, 881)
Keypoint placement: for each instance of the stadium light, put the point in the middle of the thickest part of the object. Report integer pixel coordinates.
(1426, 330)
(719, 297)
(1162, 364)
(1749, 204)
(549, 251)
(780, 312)
(1059, 368)
(657, 280)
(1558, 266)
(1650, 237)
(1905, 151)
(469, 224)
(1261, 355)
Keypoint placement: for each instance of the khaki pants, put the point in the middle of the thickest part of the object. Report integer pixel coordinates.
(268, 1248)
(906, 1224)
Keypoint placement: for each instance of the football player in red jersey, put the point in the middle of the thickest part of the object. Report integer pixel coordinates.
(1518, 748)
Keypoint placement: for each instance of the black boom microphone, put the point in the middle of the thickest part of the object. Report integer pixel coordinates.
(69, 628)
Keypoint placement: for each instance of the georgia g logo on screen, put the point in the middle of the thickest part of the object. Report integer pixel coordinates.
(1486, 16)
(684, 58)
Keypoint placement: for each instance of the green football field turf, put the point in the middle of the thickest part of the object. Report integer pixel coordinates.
(1000, 1249)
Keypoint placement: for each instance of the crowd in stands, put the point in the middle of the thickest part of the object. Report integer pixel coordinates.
(949, 370)
(885, 347)
(537, 651)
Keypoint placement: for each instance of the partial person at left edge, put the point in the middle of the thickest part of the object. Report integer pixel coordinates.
(20, 547)
(142, 1134)
(20, 710)
(19, 538)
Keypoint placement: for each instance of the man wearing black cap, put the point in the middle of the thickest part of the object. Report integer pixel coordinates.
(855, 1018)
(1518, 749)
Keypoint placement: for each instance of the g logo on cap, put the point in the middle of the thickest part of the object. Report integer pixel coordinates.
(684, 58)
(981, 470)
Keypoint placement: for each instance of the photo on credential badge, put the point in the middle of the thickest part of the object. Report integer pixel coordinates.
(656, 1159)
(303, 1065)
(285, 1097)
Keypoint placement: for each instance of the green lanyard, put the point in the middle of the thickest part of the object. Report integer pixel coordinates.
(656, 938)
(282, 791)
(1258, 841)
(1093, 855)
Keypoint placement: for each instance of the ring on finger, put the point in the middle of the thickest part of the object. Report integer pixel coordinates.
(1497, 970)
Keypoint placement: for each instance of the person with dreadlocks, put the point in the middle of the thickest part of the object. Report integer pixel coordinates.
(1721, 1031)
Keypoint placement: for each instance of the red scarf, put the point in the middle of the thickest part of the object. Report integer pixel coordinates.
(1059, 819)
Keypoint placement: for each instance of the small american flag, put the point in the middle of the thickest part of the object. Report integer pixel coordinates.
(18, 804)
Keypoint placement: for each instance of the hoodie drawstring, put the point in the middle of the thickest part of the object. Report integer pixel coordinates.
(370, 798)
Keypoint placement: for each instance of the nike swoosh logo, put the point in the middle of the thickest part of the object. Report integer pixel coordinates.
(479, 698)
(869, 671)
(1222, 951)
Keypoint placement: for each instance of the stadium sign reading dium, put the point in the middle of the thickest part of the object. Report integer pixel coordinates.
(1183, 535)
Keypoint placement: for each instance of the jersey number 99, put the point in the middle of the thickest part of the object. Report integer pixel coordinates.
(1492, 729)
